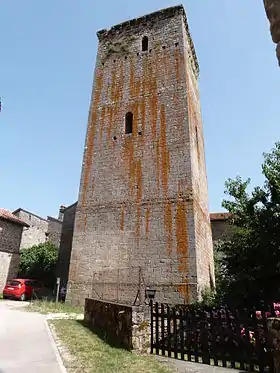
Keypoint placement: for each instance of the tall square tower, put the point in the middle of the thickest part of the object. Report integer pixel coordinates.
(142, 217)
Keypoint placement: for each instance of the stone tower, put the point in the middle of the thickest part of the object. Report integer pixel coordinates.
(142, 216)
(272, 9)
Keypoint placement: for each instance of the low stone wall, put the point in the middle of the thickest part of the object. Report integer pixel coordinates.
(125, 326)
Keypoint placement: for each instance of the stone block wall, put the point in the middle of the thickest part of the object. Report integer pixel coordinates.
(40, 230)
(54, 231)
(272, 8)
(9, 266)
(36, 233)
(143, 197)
(65, 247)
(128, 327)
(220, 226)
(10, 238)
(126, 280)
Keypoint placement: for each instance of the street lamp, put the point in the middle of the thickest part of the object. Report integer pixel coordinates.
(150, 293)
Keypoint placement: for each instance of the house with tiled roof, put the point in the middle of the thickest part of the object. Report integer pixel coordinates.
(11, 228)
(41, 229)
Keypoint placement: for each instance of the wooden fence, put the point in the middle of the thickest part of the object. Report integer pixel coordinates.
(219, 337)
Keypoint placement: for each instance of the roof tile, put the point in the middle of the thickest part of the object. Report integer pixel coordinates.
(7, 215)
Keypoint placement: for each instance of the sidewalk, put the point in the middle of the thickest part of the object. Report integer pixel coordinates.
(26, 345)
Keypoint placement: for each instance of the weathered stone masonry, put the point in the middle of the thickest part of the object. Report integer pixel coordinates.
(143, 197)
(66, 239)
(11, 228)
(40, 229)
(272, 9)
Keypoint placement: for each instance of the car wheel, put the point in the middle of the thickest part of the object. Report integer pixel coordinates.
(5, 297)
(22, 297)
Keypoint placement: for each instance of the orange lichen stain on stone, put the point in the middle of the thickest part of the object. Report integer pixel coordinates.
(113, 83)
(193, 115)
(184, 291)
(122, 218)
(164, 151)
(177, 64)
(143, 116)
(85, 221)
(168, 225)
(101, 126)
(107, 92)
(182, 243)
(138, 197)
(92, 186)
(121, 81)
(131, 78)
(129, 156)
(143, 97)
(182, 236)
(117, 98)
(110, 110)
(158, 165)
(129, 162)
(154, 108)
(88, 159)
(147, 216)
(164, 178)
(115, 94)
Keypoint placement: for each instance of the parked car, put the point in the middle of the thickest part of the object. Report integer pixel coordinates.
(21, 289)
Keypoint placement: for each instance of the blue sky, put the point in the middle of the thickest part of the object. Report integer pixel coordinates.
(46, 67)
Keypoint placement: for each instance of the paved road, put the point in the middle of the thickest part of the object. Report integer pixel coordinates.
(25, 344)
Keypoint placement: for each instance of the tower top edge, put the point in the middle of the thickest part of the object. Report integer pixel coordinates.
(108, 33)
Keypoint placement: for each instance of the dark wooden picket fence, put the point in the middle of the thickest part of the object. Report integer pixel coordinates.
(219, 337)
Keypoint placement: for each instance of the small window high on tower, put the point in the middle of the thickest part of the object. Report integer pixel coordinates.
(128, 122)
(145, 44)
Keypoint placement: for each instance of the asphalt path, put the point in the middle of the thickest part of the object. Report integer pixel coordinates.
(26, 345)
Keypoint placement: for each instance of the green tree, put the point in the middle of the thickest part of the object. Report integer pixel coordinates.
(39, 262)
(250, 259)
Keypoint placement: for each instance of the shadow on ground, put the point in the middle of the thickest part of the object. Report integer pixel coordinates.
(110, 340)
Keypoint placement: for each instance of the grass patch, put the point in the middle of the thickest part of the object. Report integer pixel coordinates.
(1, 296)
(46, 307)
(91, 354)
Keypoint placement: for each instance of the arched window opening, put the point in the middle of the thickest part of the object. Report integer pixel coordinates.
(145, 44)
(128, 122)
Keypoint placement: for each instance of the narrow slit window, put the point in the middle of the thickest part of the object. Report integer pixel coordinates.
(145, 44)
(128, 122)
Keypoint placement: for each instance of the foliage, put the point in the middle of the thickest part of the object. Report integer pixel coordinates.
(39, 262)
(46, 307)
(249, 262)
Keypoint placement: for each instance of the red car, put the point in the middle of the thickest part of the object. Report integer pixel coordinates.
(21, 289)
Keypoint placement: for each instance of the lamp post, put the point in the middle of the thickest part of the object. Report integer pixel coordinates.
(150, 293)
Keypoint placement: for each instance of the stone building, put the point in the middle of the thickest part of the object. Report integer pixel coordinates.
(40, 229)
(220, 226)
(142, 216)
(66, 239)
(11, 228)
(272, 8)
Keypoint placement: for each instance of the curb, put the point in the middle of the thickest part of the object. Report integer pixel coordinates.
(55, 348)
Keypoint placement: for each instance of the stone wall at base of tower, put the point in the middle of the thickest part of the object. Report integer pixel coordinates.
(143, 200)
